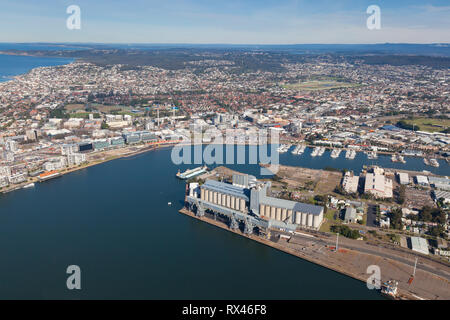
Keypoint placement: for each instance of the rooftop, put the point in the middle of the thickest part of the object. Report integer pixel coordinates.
(226, 188)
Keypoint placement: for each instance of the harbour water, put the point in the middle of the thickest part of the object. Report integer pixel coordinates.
(113, 220)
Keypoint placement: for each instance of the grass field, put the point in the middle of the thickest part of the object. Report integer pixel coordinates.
(319, 85)
(330, 219)
(430, 124)
(74, 107)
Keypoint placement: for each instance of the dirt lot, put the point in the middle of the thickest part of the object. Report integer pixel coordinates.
(321, 181)
(416, 198)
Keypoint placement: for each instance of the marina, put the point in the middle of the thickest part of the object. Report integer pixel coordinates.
(350, 154)
(372, 155)
(434, 163)
(318, 152)
(398, 158)
(335, 153)
(299, 149)
(284, 148)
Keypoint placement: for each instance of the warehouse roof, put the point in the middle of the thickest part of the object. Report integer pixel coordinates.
(419, 245)
(422, 179)
(441, 194)
(292, 205)
(226, 188)
(438, 180)
(350, 214)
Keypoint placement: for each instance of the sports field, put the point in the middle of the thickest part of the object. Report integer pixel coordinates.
(430, 124)
(319, 85)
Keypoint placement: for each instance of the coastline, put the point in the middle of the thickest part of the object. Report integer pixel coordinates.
(150, 147)
(14, 75)
(86, 165)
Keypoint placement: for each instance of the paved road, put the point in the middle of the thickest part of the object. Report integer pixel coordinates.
(371, 215)
(379, 251)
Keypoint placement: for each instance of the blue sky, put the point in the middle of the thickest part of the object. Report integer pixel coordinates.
(230, 21)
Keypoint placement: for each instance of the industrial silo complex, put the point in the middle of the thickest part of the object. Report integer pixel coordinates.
(246, 201)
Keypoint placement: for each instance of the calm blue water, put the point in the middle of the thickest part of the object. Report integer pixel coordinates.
(38, 46)
(11, 66)
(113, 220)
(356, 165)
(412, 163)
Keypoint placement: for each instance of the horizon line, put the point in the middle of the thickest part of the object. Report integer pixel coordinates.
(229, 44)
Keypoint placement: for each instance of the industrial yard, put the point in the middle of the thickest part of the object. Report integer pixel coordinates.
(432, 280)
(310, 239)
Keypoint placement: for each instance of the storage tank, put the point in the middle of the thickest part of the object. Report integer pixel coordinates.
(228, 201)
(272, 212)
(202, 194)
(298, 217)
(215, 197)
(278, 214)
(291, 218)
(219, 198)
(283, 214)
(310, 220)
(242, 205)
(224, 200)
(211, 196)
(316, 221)
(262, 210)
(304, 218)
(236, 206)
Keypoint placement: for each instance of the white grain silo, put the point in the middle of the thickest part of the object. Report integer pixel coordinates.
(290, 216)
(278, 214)
(262, 210)
(316, 221)
(283, 214)
(298, 217)
(310, 220)
(304, 219)
(202, 194)
(272, 212)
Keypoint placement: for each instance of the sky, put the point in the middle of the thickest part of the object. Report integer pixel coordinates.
(226, 21)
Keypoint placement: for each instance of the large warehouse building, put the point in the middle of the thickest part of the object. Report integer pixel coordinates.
(240, 199)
